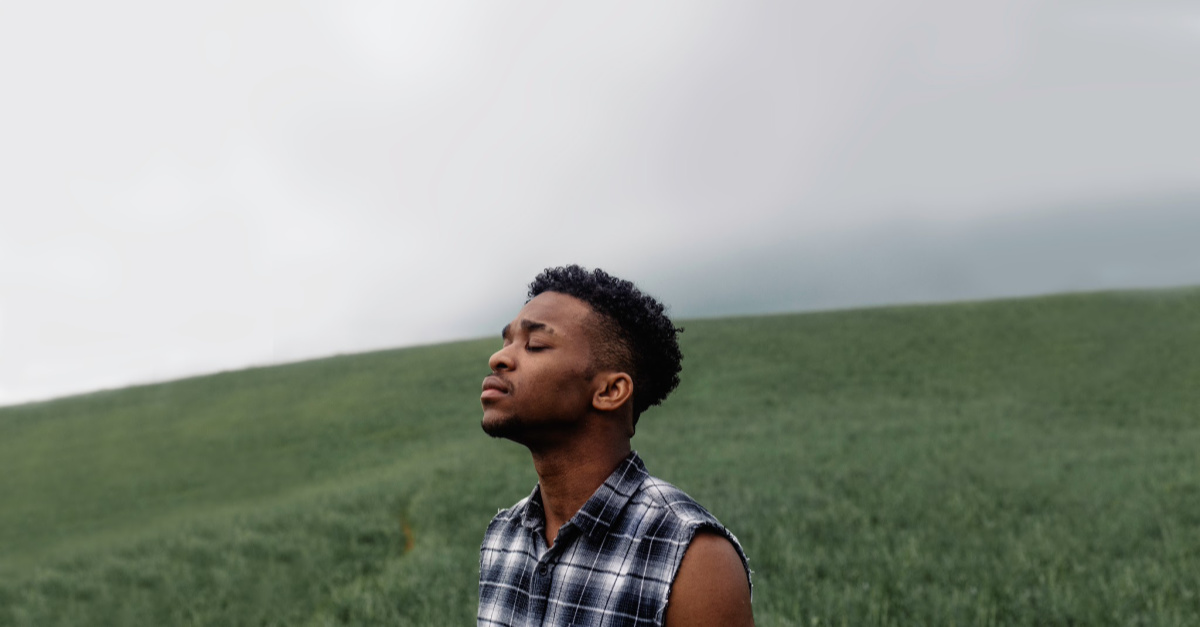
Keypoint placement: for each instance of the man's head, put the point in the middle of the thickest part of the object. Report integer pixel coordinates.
(585, 341)
(630, 332)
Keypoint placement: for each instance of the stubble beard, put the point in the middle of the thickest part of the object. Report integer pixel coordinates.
(508, 427)
(518, 429)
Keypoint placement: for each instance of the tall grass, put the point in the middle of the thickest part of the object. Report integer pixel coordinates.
(1025, 462)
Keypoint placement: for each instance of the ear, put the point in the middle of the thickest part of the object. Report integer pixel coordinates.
(616, 388)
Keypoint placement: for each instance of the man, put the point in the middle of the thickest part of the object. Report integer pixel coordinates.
(599, 541)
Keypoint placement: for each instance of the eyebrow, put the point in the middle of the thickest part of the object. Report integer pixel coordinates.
(529, 326)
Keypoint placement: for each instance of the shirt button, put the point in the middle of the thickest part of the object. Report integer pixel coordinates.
(543, 570)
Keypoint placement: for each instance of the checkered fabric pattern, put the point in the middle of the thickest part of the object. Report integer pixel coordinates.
(611, 564)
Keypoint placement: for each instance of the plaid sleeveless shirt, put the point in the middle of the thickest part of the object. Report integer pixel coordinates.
(612, 564)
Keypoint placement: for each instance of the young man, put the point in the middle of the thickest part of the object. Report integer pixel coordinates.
(599, 541)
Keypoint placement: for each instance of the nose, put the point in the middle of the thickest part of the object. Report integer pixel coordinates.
(500, 360)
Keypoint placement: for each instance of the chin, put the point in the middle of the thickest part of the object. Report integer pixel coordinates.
(500, 426)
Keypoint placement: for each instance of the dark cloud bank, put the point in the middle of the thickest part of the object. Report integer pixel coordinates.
(1113, 244)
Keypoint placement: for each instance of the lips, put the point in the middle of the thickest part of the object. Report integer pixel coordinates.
(494, 387)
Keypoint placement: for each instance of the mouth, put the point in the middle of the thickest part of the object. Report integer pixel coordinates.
(494, 387)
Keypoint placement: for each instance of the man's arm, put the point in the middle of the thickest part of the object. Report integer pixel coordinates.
(711, 587)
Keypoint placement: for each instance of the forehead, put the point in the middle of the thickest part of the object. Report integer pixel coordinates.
(562, 312)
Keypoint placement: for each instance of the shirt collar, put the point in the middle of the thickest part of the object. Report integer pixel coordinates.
(605, 504)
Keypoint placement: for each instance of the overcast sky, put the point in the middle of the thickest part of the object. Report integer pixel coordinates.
(195, 187)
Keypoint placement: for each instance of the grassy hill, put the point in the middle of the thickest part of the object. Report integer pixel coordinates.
(1024, 462)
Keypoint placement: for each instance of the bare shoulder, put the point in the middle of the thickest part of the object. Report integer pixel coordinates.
(711, 587)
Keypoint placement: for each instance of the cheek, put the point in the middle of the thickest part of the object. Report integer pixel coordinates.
(561, 383)
(551, 387)
(575, 384)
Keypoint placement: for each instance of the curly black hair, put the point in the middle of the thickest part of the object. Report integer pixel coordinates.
(635, 334)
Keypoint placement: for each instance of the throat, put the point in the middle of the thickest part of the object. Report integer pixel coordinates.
(567, 479)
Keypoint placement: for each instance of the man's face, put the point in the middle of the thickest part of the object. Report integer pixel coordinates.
(541, 381)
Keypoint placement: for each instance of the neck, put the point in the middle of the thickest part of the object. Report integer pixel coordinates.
(570, 474)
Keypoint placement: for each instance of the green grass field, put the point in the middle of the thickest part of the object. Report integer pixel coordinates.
(1024, 462)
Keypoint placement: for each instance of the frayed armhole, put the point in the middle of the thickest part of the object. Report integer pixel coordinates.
(677, 561)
